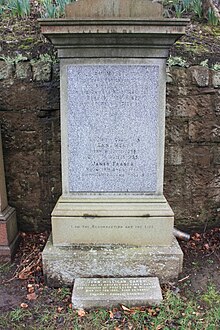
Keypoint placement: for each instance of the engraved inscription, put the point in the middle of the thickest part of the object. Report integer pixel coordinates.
(92, 226)
(112, 128)
(115, 287)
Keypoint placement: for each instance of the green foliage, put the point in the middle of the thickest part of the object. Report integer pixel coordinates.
(197, 7)
(64, 292)
(216, 66)
(205, 63)
(187, 4)
(175, 312)
(7, 59)
(49, 9)
(212, 19)
(47, 58)
(19, 58)
(20, 8)
(2, 6)
(54, 9)
(5, 268)
(179, 9)
(176, 61)
(19, 314)
(211, 296)
(13, 60)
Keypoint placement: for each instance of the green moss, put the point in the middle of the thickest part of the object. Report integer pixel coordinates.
(28, 40)
(212, 30)
(24, 47)
(195, 48)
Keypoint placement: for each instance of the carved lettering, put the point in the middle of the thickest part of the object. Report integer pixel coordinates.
(112, 128)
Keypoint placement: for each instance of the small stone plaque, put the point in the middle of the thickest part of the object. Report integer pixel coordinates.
(108, 292)
(113, 128)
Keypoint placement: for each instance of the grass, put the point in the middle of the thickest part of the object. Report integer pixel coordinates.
(198, 312)
(5, 268)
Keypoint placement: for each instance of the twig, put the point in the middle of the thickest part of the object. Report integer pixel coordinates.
(183, 279)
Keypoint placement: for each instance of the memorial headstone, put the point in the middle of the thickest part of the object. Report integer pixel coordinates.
(8, 223)
(112, 219)
(108, 292)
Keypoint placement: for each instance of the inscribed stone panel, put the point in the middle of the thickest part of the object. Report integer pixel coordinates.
(112, 128)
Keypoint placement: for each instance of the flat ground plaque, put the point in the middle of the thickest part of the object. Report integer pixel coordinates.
(108, 292)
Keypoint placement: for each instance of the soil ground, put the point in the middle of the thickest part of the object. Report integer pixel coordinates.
(22, 282)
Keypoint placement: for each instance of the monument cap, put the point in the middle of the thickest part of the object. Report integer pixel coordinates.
(123, 9)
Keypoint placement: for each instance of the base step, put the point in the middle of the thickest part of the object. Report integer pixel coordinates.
(110, 292)
(64, 264)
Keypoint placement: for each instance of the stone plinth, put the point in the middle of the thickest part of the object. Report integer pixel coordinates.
(8, 223)
(109, 292)
(64, 264)
(112, 58)
(142, 221)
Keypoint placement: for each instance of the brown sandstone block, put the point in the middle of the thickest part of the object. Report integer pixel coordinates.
(8, 226)
(199, 75)
(204, 130)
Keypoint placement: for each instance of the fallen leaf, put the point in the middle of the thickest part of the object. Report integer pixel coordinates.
(159, 327)
(59, 309)
(125, 308)
(32, 296)
(152, 312)
(24, 305)
(111, 315)
(22, 276)
(81, 312)
(130, 326)
(31, 290)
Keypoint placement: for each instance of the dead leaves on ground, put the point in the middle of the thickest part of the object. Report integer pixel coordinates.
(29, 255)
(24, 305)
(81, 312)
(120, 313)
(32, 296)
(205, 243)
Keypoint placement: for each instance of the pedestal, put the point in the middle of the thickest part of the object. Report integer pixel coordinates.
(112, 219)
(9, 237)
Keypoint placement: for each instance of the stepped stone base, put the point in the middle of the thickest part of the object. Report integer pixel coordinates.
(7, 252)
(130, 221)
(9, 237)
(64, 264)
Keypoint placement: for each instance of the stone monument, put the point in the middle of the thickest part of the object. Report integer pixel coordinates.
(112, 219)
(8, 224)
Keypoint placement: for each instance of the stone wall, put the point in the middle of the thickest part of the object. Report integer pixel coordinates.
(192, 165)
(29, 114)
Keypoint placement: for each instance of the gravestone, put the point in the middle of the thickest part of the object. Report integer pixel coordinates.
(8, 224)
(112, 219)
(108, 292)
